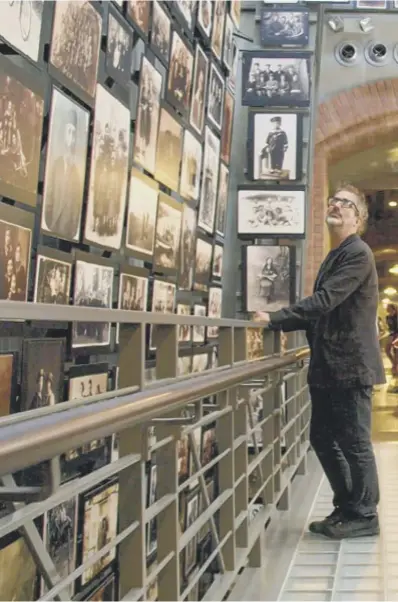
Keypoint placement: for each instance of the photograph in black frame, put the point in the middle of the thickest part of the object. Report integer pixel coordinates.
(8, 382)
(118, 48)
(168, 150)
(271, 211)
(210, 172)
(185, 13)
(160, 32)
(268, 277)
(215, 106)
(187, 248)
(42, 373)
(191, 551)
(18, 572)
(214, 309)
(199, 90)
(275, 79)
(21, 26)
(199, 332)
(142, 210)
(204, 20)
(228, 50)
(222, 202)
(191, 167)
(16, 228)
(184, 331)
(22, 93)
(133, 291)
(183, 458)
(217, 34)
(218, 253)
(275, 146)
(163, 301)
(228, 120)
(53, 276)
(138, 12)
(167, 234)
(203, 256)
(280, 26)
(180, 75)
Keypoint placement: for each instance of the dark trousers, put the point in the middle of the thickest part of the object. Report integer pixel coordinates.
(340, 435)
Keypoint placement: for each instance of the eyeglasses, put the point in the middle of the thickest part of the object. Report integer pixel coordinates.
(346, 203)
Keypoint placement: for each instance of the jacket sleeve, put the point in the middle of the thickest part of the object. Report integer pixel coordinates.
(289, 324)
(345, 280)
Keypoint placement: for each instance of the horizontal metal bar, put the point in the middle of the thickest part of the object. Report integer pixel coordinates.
(200, 522)
(158, 507)
(20, 494)
(208, 419)
(178, 420)
(194, 477)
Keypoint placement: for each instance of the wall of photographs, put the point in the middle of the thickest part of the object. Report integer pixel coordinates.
(115, 142)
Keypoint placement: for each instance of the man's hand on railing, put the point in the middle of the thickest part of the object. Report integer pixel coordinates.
(261, 316)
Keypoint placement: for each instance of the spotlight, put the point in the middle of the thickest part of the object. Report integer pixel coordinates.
(336, 24)
(390, 291)
(366, 25)
(394, 270)
(392, 204)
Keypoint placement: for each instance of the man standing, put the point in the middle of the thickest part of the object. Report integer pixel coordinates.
(340, 323)
(275, 148)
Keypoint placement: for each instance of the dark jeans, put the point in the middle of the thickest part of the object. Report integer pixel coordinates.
(340, 435)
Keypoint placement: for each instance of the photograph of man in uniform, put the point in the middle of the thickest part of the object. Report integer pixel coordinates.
(180, 75)
(273, 153)
(275, 146)
(147, 116)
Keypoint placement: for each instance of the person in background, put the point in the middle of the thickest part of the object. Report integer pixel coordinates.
(392, 326)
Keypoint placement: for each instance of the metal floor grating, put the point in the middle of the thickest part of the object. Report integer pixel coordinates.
(359, 569)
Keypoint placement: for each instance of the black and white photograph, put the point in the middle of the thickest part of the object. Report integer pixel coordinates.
(180, 75)
(168, 151)
(191, 548)
(228, 50)
(184, 365)
(100, 511)
(75, 47)
(18, 571)
(65, 168)
(200, 363)
(215, 107)
(199, 90)
(218, 254)
(199, 332)
(272, 79)
(231, 81)
(42, 373)
(215, 309)
(151, 544)
(183, 458)
(187, 248)
(235, 12)
(8, 382)
(168, 233)
(222, 202)
(20, 26)
(163, 301)
(208, 196)
(228, 120)
(147, 116)
(275, 146)
(185, 12)
(160, 32)
(142, 210)
(15, 249)
(118, 49)
(93, 288)
(184, 331)
(281, 27)
(21, 122)
(271, 212)
(138, 11)
(203, 256)
(254, 343)
(268, 277)
(133, 292)
(205, 17)
(53, 276)
(106, 201)
(217, 35)
(191, 167)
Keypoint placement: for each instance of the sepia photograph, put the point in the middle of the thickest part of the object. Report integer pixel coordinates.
(268, 277)
(187, 249)
(138, 12)
(209, 444)
(228, 50)
(191, 167)
(99, 528)
(204, 252)
(151, 528)
(7, 382)
(184, 331)
(274, 150)
(217, 36)
(281, 27)
(21, 122)
(208, 196)
(180, 75)
(200, 363)
(168, 152)
(231, 80)
(217, 261)
(75, 46)
(20, 25)
(199, 90)
(168, 233)
(254, 343)
(65, 168)
(93, 288)
(185, 12)
(191, 548)
(184, 365)
(199, 332)
(141, 214)
(18, 571)
(215, 309)
(271, 212)
(205, 17)
(163, 301)
(222, 203)
(106, 201)
(183, 458)
(42, 373)
(133, 292)
(53, 277)
(15, 250)
(160, 32)
(228, 120)
(147, 122)
(215, 107)
(235, 12)
(276, 80)
(118, 49)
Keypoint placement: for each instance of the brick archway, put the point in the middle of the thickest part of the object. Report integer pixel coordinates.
(353, 120)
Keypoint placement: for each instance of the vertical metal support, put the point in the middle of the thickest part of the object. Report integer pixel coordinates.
(255, 555)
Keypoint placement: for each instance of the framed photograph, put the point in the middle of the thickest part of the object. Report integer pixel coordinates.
(138, 13)
(184, 365)
(197, 435)
(160, 32)
(199, 332)
(168, 151)
(371, 4)
(271, 212)
(209, 444)
(211, 490)
(93, 287)
(183, 458)
(8, 383)
(21, 25)
(146, 127)
(42, 373)
(208, 196)
(22, 110)
(105, 591)
(203, 257)
(118, 48)
(142, 210)
(106, 201)
(163, 301)
(200, 363)
(18, 571)
(215, 107)
(254, 343)
(99, 526)
(65, 174)
(133, 291)
(274, 79)
(151, 529)
(275, 146)
(221, 214)
(180, 75)
(269, 277)
(75, 46)
(217, 36)
(282, 27)
(215, 309)
(187, 248)
(185, 13)
(53, 276)
(184, 331)
(205, 17)
(217, 261)
(228, 120)
(16, 228)
(228, 50)
(167, 233)
(199, 90)
(231, 81)
(191, 167)
(235, 7)
(191, 549)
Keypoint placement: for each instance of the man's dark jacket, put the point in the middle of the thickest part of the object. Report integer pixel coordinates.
(340, 319)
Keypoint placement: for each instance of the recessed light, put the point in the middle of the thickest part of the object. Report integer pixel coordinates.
(390, 291)
(392, 204)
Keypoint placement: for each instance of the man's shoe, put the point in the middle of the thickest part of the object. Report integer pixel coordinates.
(318, 526)
(352, 527)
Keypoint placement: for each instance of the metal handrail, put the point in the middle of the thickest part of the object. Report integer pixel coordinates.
(44, 437)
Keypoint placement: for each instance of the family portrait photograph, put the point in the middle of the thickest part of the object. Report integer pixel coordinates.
(217, 35)
(142, 210)
(187, 248)
(138, 12)
(163, 301)
(215, 309)
(168, 232)
(205, 16)
(15, 249)
(180, 75)
(21, 122)
(275, 143)
(271, 212)
(18, 571)
(204, 252)
(269, 277)
(119, 48)
(228, 121)
(65, 168)
(7, 372)
(278, 80)
(20, 25)
(147, 116)
(43, 373)
(222, 202)
(160, 32)
(208, 196)
(199, 90)
(53, 279)
(215, 107)
(284, 27)
(168, 153)
(191, 167)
